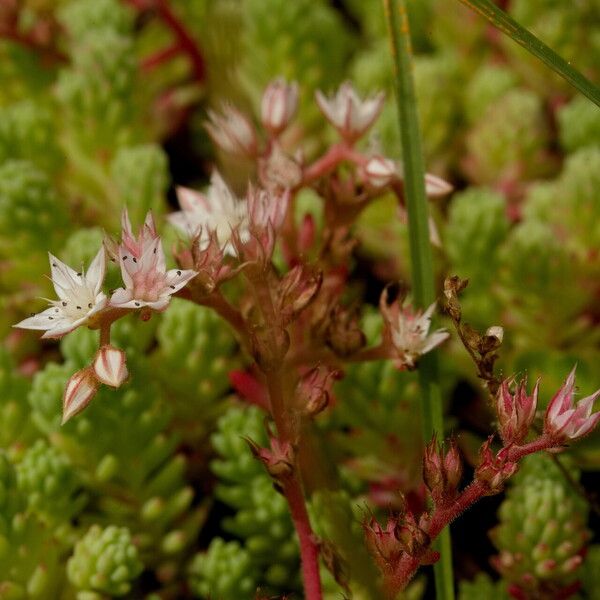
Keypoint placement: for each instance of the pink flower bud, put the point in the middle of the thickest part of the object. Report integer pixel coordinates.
(110, 366)
(442, 472)
(565, 420)
(232, 132)
(79, 391)
(382, 542)
(278, 459)
(279, 105)
(515, 411)
(380, 171)
(314, 389)
(493, 469)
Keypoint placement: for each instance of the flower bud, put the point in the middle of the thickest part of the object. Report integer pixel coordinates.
(79, 391)
(232, 132)
(493, 470)
(279, 104)
(278, 459)
(515, 411)
(383, 543)
(436, 186)
(380, 171)
(314, 389)
(110, 366)
(442, 472)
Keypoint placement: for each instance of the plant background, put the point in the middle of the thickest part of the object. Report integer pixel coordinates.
(155, 476)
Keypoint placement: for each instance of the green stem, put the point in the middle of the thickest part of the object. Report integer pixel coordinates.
(505, 23)
(420, 247)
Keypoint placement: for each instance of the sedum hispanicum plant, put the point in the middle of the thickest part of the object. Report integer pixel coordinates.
(252, 375)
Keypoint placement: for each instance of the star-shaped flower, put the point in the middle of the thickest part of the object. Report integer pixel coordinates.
(79, 298)
(407, 330)
(143, 268)
(348, 113)
(566, 420)
(217, 211)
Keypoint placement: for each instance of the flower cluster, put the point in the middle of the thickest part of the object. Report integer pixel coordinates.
(147, 284)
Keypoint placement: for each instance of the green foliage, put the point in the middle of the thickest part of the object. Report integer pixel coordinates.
(104, 561)
(482, 587)
(48, 480)
(141, 174)
(542, 529)
(29, 555)
(83, 16)
(27, 132)
(195, 356)
(225, 571)
(489, 83)
(97, 92)
(31, 215)
(579, 123)
(508, 140)
(262, 518)
(16, 428)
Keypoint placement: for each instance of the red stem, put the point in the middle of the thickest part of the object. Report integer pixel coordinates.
(185, 40)
(330, 160)
(443, 516)
(160, 57)
(309, 550)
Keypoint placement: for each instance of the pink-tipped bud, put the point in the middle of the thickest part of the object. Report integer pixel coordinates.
(314, 389)
(442, 472)
(493, 470)
(515, 410)
(382, 542)
(410, 534)
(564, 419)
(232, 132)
(110, 366)
(278, 459)
(279, 105)
(79, 391)
(380, 171)
(436, 186)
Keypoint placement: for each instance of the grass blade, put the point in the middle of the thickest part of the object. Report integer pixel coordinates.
(505, 23)
(420, 247)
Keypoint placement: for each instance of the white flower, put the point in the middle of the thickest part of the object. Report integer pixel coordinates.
(279, 104)
(217, 211)
(232, 132)
(408, 331)
(79, 298)
(147, 281)
(348, 113)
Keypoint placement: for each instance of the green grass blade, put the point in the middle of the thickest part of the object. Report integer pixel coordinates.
(505, 23)
(420, 247)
